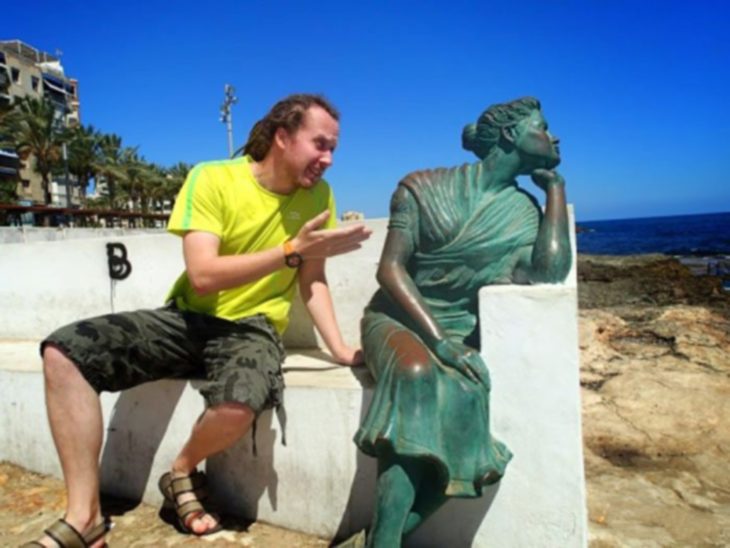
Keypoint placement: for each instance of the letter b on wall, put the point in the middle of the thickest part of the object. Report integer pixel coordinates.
(119, 266)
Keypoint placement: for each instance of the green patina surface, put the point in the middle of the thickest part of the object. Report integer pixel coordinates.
(451, 232)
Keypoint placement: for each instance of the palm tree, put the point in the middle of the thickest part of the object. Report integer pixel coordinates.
(5, 102)
(33, 129)
(153, 179)
(109, 166)
(8, 194)
(163, 184)
(8, 185)
(176, 176)
(83, 155)
(129, 185)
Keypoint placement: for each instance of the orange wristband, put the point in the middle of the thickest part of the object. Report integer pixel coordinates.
(289, 248)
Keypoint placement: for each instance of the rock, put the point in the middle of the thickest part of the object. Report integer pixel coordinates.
(638, 280)
(655, 376)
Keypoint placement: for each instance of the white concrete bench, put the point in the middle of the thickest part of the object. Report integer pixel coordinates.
(319, 483)
(146, 426)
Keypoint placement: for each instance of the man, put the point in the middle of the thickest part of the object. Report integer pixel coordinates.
(250, 228)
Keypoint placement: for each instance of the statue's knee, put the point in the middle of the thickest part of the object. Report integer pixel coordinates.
(413, 359)
(415, 369)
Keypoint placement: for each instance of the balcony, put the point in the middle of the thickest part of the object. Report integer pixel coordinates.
(9, 164)
(58, 91)
(4, 85)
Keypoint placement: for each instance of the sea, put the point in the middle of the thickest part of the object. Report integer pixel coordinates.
(702, 242)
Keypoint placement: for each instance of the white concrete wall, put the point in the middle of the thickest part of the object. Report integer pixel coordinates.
(29, 234)
(47, 284)
(319, 483)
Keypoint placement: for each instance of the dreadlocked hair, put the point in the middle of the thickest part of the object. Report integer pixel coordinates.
(287, 114)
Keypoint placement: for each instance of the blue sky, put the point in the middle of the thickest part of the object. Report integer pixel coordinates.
(637, 91)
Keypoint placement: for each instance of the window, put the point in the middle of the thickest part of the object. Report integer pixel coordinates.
(34, 82)
(15, 74)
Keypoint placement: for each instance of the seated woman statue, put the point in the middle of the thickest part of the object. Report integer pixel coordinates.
(451, 232)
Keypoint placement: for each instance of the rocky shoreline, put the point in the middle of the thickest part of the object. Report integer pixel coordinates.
(655, 381)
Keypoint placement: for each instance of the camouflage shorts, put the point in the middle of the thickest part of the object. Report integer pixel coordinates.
(241, 361)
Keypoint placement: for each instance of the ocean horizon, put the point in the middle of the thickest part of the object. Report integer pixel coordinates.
(645, 217)
(700, 241)
(705, 234)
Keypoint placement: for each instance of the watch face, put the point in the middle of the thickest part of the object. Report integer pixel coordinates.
(293, 260)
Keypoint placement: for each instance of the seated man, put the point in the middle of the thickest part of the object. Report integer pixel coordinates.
(251, 227)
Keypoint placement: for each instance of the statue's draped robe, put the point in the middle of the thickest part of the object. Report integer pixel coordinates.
(466, 235)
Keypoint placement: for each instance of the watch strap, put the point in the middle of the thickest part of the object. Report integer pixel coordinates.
(292, 258)
(289, 248)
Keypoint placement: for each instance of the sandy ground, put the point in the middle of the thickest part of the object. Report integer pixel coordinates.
(29, 502)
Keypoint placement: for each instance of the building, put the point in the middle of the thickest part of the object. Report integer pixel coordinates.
(27, 71)
(352, 216)
(9, 162)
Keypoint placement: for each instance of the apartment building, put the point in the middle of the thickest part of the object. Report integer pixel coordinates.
(27, 71)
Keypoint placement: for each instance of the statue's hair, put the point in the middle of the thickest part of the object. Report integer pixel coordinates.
(288, 114)
(480, 138)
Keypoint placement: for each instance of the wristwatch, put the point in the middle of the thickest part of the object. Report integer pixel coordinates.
(291, 257)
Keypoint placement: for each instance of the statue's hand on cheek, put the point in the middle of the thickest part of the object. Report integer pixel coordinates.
(545, 178)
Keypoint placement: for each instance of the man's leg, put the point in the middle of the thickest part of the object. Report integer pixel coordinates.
(74, 414)
(216, 430)
(112, 352)
(243, 365)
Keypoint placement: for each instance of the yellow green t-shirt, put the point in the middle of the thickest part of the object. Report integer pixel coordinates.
(225, 199)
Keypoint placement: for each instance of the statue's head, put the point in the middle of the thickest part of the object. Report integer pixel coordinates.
(517, 125)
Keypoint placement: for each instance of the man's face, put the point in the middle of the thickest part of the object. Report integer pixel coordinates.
(307, 153)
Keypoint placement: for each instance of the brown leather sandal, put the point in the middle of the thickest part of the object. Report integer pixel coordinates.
(172, 487)
(67, 536)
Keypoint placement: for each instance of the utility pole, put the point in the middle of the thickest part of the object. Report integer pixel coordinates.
(64, 149)
(226, 115)
(64, 153)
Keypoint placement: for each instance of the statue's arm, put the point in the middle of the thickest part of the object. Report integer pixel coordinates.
(398, 284)
(392, 275)
(550, 258)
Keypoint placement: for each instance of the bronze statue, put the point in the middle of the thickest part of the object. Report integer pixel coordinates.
(451, 232)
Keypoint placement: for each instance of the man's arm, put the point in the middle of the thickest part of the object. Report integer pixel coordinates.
(316, 296)
(210, 272)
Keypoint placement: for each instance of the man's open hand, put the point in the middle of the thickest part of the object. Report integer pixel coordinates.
(312, 242)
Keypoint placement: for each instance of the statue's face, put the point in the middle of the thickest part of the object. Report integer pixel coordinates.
(536, 146)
